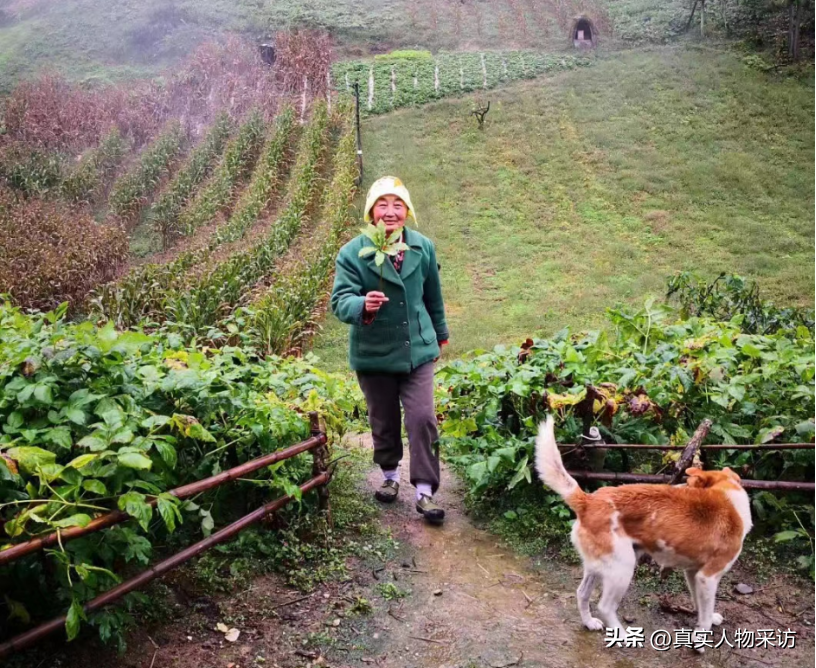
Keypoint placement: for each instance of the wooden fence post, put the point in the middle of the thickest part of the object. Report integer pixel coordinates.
(320, 464)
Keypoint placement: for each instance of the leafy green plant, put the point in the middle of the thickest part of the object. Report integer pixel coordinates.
(799, 534)
(730, 296)
(382, 244)
(390, 592)
(94, 419)
(652, 381)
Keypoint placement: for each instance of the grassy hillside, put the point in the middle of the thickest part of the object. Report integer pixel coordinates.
(593, 186)
(110, 39)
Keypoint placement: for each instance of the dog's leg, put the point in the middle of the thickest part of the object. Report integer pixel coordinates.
(692, 587)
(716, 617)
(706, 588)
(616, 578)
(584, 593)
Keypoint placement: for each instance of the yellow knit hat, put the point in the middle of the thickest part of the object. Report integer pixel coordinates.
(387, 185)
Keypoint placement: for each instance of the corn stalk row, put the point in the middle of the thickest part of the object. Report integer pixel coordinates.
(165, 212)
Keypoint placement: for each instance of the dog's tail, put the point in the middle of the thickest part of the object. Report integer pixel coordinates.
(551, 469)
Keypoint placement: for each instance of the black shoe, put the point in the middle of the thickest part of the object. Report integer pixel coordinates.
(387, 493)
(431, 511)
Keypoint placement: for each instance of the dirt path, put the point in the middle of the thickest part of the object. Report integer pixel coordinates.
(476, 603)
(468, 602)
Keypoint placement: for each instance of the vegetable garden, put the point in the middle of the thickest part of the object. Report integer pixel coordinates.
(653, 381)
(407, 78)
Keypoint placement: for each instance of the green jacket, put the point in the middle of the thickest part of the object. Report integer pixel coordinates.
(408, 328)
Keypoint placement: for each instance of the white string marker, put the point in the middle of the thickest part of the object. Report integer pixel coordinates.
(370, 88)
(328, 90)
(303, 99)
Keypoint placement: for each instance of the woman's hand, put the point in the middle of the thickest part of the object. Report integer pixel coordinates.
(374, 301)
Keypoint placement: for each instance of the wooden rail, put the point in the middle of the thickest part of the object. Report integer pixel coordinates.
(10, 554)
(31, 637)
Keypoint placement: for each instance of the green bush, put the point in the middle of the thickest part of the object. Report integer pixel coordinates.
(94, 419)
(653, 381)
(730, 296)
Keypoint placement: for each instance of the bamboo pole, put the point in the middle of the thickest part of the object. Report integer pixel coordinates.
(183, 492)
(28, 638)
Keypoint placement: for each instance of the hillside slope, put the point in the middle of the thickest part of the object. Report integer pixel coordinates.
(593, 186)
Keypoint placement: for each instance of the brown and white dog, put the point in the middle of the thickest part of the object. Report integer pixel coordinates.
(698, 527)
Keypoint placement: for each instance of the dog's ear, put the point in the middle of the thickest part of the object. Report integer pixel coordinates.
(696, 477)
(731, 473)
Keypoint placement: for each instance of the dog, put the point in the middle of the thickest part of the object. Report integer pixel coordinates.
(698, 527)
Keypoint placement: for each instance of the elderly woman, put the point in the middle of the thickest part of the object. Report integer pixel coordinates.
(397, 328)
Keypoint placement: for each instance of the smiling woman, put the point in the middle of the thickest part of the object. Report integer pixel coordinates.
(397, 328)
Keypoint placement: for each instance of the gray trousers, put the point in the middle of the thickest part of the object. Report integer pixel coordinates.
(383, 392)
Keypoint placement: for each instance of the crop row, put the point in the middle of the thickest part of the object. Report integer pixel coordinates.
(266, 181)
(388, 83)
(165, 212)
(131, 191)
(95, 168)
(142, 292)
(280, 319)
(219, 192)
(149, 291)
(208, 299)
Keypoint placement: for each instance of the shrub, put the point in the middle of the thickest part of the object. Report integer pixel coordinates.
(730, 296)
(94, 420)
(50, 254)
(652, 382)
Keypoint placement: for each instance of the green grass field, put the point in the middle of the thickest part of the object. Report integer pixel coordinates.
(593, 186)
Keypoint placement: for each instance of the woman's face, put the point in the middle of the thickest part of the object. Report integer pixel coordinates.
(391, 210)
